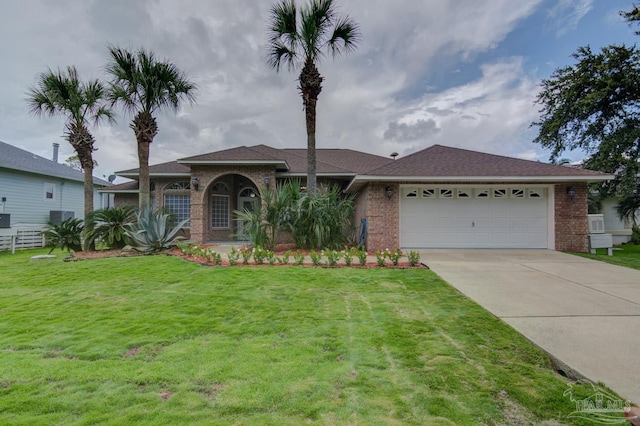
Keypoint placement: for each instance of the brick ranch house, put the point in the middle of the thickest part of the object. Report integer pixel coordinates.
(439, 197)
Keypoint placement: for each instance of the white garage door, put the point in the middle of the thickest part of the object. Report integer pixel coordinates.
(478, 217)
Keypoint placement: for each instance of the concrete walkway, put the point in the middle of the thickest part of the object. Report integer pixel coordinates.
(584, 313)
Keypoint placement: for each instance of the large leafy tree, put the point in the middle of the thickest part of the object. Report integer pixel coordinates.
(299, 38)
(594, 105)
(143, 85)
(62, 93)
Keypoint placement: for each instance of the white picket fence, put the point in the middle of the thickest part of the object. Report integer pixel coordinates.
(22, 237)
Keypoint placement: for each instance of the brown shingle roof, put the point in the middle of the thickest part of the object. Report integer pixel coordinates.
(170, 168)
(258, 153)
(123, 187)
(436, 161)
(330, 161)
(443, 161)
(347, 160)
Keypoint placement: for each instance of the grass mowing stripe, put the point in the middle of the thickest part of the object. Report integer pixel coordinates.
(158, 340)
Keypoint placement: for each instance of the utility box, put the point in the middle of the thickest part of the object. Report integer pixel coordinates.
(601, 241)
(58, 216)
(596, 223)
(5, 220)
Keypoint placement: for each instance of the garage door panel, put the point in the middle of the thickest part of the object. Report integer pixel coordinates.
(504, 222)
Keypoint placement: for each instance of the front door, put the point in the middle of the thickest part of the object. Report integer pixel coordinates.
(247, 200)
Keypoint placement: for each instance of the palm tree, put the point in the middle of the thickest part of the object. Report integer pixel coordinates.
(144, 85)
(299, 38)
(62, 93)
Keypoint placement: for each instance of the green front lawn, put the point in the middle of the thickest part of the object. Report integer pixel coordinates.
(625, 255)
(158, 340)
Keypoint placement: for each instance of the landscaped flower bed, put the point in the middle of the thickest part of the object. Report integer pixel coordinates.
(255, 256)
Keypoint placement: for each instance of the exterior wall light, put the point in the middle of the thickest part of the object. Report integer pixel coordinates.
(195, 183)
(571, 192)
(389, 192)
(267, 181)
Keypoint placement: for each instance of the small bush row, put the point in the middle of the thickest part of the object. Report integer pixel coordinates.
(331, 258)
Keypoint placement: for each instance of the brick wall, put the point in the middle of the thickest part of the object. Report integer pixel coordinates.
(201, 231)
(121, 200)
(571, 224)
(383, 215)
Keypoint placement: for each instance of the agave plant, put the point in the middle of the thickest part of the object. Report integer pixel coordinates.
(109, 226)
(65, 236)
(153, 231)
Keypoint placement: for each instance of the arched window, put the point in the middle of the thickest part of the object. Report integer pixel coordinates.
(220, 187)
(181, 185)
(248, 192)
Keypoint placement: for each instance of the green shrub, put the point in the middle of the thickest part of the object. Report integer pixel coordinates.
(347, 256)
(635, 235)
(246, 255)
(394, 256)
(322, 220)
(253, 226)
(362, 256)
(333, 257)
(153, 232)
(316, 258)
(271, 257)
(259, 255)
(66, 236)
(109, 226)
(298, 258)
(233, 256)
(215, 257)
(414, 258)
(285, 258)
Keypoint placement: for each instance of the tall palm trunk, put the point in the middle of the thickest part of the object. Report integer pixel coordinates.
(310, 86)
(145, 127)
(82, 142)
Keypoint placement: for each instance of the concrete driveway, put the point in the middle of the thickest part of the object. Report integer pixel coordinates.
(585, 313)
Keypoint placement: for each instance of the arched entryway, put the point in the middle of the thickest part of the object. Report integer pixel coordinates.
(226, 195)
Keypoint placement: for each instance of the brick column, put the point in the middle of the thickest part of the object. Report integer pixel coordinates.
(571, 226)
(383, 216)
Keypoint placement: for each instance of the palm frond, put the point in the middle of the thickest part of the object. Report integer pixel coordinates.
(142, 83)
(62, 93)
(345, 37)
(295, 39)
(280, 54)
(283, 35)
(628, 207)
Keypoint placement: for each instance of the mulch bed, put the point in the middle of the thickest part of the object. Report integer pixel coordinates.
(279, 252)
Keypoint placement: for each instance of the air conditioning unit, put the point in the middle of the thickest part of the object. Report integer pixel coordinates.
(5, 220)
(596, 223)
(58, 216)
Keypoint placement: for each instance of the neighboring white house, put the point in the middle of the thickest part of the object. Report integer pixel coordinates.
(32, 187)
(620, 229)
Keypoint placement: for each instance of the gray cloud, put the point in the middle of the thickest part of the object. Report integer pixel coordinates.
(403, 132)
(241, 101)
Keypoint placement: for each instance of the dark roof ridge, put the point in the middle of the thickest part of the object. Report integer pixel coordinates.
(437, 148)
(15, 158)
(290, 151)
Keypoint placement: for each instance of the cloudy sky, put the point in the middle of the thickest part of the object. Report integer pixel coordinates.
(461, 73)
